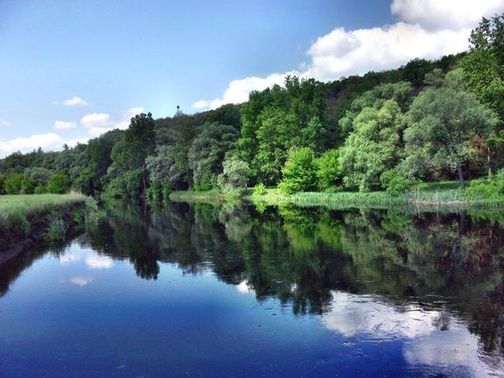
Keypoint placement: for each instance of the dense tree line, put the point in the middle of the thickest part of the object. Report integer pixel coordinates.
(427, 120)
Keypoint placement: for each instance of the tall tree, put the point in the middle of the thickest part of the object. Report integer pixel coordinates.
(442, 123)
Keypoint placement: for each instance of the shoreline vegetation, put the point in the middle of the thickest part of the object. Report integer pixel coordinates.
(445, 194)
(35, 218)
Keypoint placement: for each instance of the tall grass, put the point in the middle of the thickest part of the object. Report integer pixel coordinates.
(32, 203)
(26, 218)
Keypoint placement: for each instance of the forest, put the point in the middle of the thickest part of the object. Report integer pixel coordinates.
(384, 131)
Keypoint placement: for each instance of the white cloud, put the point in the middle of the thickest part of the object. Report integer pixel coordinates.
(69, 258)
(342, 53)
(201, 104)
(99, 123)
(425, 29)
(81, 281)
(63, 125)
(75, 101)
(49, 141)
(4, 123)
(445, 14)
(92, 120)
(238, 90)
(424, 342)
(244, 288)
(99, 262)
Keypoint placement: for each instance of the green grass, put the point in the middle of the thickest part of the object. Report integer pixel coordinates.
(211, 196)
(26, 219)
(446, 194)
(32, 203)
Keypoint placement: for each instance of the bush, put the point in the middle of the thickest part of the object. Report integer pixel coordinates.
(13, 183)
(299, 172)
(2, 183)
(58, 183)
(394, 182)
(328, 170)
(40, 190)
(234, 176)
(487, 189)
(259, 189)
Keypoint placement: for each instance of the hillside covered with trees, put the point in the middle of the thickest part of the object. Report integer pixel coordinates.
(425, 121)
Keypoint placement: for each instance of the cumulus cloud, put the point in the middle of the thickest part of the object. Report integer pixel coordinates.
(95, 120)
(99, 123)
(421, 331)
(424, 29)
(75, 101)
(63, 125)
(99, 262)
(48, 141)
(342, 53)
(445, 14)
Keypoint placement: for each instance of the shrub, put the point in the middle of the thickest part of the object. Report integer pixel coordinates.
(40, 190)
(487, 189)
(13, 183)
(2, 183)
(328, 169)
(299, 172)
(58, 183)
(394, 182)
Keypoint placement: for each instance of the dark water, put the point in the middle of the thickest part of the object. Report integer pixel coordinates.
(238, 291)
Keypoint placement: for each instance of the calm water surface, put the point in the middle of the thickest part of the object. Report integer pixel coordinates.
(243, 291)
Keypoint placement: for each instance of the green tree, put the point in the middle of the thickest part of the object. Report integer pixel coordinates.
(483, 71)
(58, 183)
(13, 183)
(328, 169)
(373, 147)
(299, 172)
(442, 123)
(235, 174)
(207, 152)
(128, 157)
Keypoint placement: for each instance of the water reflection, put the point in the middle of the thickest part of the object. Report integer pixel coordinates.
(433, 281)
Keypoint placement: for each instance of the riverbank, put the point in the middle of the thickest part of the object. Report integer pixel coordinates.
(444, 194)
(26, 219)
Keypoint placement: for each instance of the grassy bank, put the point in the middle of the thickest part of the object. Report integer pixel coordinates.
(212, 196)
(25, 219)
(445, 194)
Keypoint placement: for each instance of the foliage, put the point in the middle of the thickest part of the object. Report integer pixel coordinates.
(328, 169)
(57, 229)
(234, 176)
(259, 189)
(373, 147)
(442, 123)
(207, 152)
(299, 172)
(487, 189)
(59, 183)
(13, 183)
(395, 182)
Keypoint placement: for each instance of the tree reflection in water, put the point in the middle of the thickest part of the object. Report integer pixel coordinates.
(441, 265)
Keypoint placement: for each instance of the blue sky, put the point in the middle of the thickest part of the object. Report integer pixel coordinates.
(71, 70)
